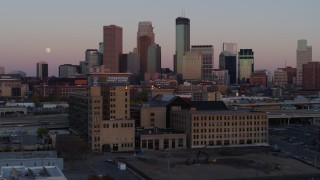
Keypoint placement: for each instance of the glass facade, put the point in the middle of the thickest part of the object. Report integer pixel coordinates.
(182, 41)
(246, 65)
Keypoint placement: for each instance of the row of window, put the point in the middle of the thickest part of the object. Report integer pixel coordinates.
(229, 142)
(155, 144)
(243, 117)
(230, 130)
(204, 136)
(241, 123)
(116, 125)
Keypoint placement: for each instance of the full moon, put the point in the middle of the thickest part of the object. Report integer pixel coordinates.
(48, 50)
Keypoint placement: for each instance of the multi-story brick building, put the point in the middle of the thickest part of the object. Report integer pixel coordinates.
(108, 107)
(259, 78)
(210, 124)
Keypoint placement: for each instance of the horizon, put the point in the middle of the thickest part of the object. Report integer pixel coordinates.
(271, 29)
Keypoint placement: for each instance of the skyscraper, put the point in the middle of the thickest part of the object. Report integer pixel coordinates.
(304, 55)
(311, 71)
(112, 44)
(144, 43)
(191, 65)
(68, 70)
(42, 69)
(207, 60)
(246, 65)
(182, 42)
(154, 58)
(92, 57)
(145, 29)
(228, 61)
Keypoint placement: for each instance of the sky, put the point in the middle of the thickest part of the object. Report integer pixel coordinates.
(270, 27)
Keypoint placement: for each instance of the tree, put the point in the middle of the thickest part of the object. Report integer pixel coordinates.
(42, 131)
(143, 96)
(36, 99)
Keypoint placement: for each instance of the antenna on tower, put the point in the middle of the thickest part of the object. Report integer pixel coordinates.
(285, 63)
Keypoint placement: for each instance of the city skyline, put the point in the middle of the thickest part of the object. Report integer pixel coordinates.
(270, 28)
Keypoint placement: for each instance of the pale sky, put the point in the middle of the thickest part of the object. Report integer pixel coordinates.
(270, 27)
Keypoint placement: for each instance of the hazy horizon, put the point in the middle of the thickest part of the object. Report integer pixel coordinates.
(271, 28)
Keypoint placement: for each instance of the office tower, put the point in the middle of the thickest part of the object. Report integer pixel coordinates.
(145, 29)
(191, 65)
(68, 70)
(100, 54)
(83, 69)
(2, 70)
(284, 76)
(259, 78)
(154, 63)
(92, 57)
(42, 69)
(144, 43)
(103, 115)
(182, 42)
(154, 58)
(101, 48)
(280, 77)
(207, 60)
(112, 44)
(123, 66)
(228, 61)
(304, 55)
(230, 47)
(311, 72)
(246, 65)
(133, 62)
(221, 76)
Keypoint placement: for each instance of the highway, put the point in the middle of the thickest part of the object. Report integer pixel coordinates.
(30, 124)
(295, 141)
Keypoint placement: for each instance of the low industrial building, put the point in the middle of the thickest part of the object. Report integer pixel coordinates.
(31, 158)
(161, 139)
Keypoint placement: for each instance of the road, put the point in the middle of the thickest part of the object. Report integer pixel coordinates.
(292, 142)
(96, 163)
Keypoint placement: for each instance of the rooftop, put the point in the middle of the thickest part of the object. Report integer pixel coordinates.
(24, 173)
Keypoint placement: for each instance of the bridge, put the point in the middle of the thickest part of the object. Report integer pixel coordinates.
(293, 117)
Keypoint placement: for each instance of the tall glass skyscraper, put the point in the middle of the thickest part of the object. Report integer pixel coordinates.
(228, 61)
(246, 65)
(182, 42)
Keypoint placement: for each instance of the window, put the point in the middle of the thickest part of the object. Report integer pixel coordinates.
(150, 144)
(180, 142)
(166, 143)
(173, 143)
(144, 144)
(156, 144)
(152, 114)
